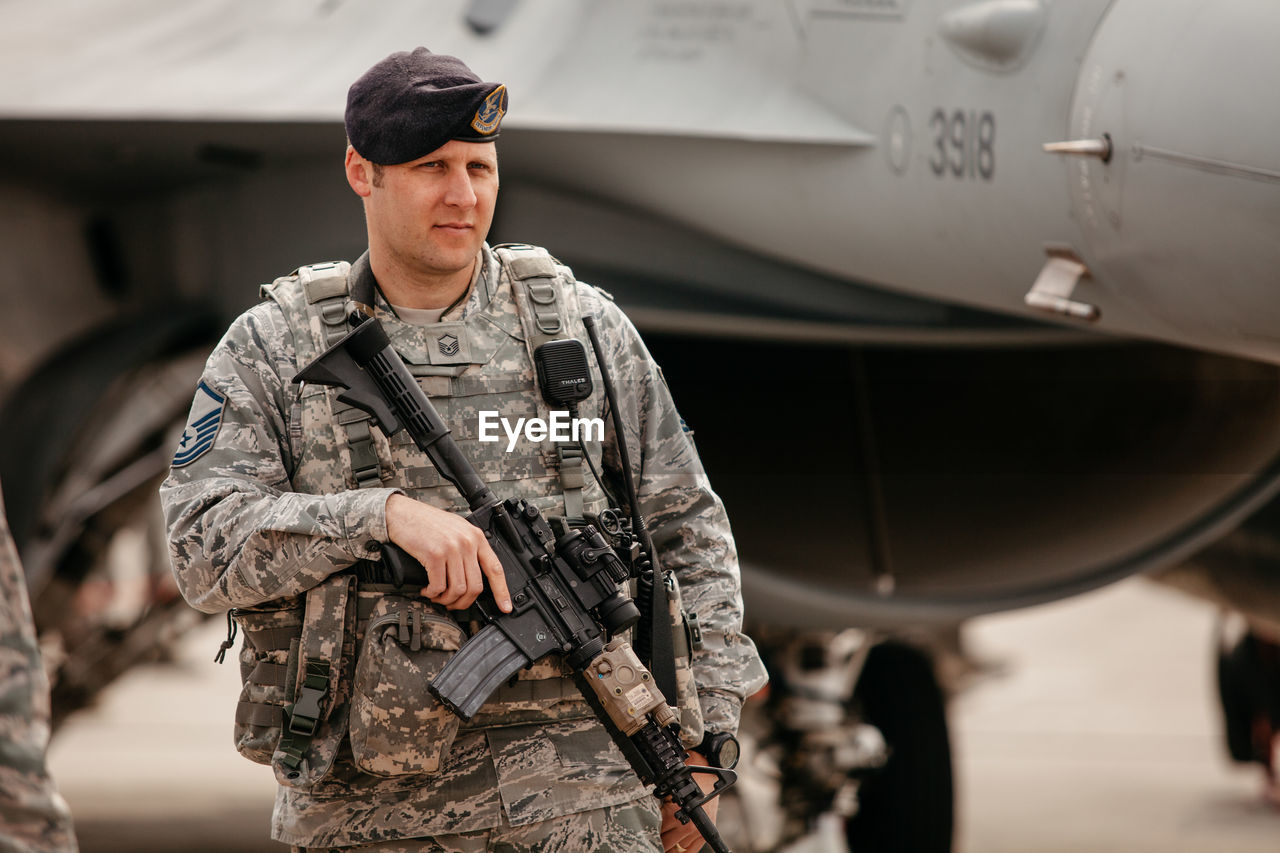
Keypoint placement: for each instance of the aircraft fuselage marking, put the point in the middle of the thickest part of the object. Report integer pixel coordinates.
(963, 144)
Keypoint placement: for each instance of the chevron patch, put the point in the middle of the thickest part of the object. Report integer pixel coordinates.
(202, 426)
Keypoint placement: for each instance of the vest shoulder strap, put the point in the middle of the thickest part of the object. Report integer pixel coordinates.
(314, 299)
(319, 288)
(546, 297)
(545, 293)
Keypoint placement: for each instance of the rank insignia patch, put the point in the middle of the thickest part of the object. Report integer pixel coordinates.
(202, 426)
(491, 112)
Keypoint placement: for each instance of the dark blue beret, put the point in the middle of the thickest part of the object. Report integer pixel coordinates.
(410, 104)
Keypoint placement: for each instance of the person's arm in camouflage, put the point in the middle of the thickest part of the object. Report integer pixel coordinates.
(33, 816)
(686, 520)
(238, 534)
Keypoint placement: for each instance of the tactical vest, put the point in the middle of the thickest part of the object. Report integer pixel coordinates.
(481, 363)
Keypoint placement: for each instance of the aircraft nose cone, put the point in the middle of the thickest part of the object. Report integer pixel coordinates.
(1183, 220)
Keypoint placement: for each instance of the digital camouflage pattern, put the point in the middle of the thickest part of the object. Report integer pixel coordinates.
(326, 652)
(272, 509)
(686, 701)
(265, 659)
(33, 816)
(395, 731)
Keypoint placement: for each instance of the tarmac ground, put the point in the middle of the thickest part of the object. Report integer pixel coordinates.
(1096, 730)
(1104, 734)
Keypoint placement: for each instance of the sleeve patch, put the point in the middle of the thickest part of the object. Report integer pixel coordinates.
(202, 426)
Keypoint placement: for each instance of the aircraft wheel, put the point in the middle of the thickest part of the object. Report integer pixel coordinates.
(1249, 689)
(84, 444)
(908, 806)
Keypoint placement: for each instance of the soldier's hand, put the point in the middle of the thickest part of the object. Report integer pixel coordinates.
(454, 552)
(680, 837)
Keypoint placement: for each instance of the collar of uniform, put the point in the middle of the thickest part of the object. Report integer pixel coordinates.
(367, 297)
(364, 293)
(481, 288)
(468, 334)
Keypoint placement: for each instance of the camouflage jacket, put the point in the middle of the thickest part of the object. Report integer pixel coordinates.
(244, 532)
(33, 816)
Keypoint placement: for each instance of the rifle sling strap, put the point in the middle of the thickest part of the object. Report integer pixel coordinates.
(661, 650)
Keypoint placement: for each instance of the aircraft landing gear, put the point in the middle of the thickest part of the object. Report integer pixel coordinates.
(907, 807)
(84, 443)
(848, 751)
(1249, 689)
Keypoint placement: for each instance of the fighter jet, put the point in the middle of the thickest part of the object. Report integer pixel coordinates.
(969, 303)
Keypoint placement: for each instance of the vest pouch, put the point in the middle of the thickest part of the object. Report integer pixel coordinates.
(269, 651)
(315, 719)
(397, 727)
(683, 630)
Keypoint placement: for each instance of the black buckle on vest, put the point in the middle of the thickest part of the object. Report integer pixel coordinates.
(305, 716)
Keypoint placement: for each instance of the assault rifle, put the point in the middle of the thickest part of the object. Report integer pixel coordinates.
(564, 589)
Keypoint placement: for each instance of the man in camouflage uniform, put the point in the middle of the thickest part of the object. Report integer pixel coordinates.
(278, 491)
(33, 816)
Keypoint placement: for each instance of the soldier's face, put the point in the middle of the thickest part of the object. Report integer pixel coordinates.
(431, 215)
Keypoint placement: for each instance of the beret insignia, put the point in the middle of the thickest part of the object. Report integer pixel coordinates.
(491, 111)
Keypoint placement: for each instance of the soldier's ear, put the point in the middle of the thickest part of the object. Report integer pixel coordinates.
(359, 173)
